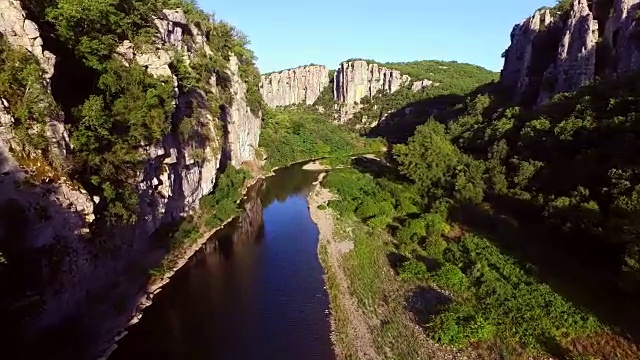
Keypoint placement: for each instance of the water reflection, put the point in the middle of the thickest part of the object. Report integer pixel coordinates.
(255, 291)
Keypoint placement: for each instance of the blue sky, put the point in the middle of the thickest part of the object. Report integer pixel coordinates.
(289, 33)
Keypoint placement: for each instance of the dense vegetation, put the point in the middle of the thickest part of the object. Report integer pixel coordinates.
(124, 108)
(492, 298)
(301, 133)
(30, 103)
(526, 219)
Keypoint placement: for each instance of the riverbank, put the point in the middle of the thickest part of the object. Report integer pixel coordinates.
(350, 331)
(369, 316)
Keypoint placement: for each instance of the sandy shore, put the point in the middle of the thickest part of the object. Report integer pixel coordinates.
(315, 166)
(356, 330)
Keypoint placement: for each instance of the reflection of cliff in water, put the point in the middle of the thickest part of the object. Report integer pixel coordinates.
(287, 181)
(246, 228)
(203, 280)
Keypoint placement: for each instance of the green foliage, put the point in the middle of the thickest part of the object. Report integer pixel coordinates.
(94, 28)
(438, 168)
(451, 278)
(294, 134)
(493, 298)
(505, 298)
(572, 159)
(221, 205)
(460, 325)
(370, 199)
(326, 100)
(322, 207)
(413, 270)
(562, 6)
(30, 104)
(135, 109)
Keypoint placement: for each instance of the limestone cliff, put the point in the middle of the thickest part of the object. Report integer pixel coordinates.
(356, 79)
(553, 52)
(243, 127)
(301, 85)
(74, 278)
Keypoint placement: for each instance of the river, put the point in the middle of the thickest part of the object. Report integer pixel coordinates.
(254, 291)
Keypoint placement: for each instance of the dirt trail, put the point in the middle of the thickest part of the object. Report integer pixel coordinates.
(358, 331)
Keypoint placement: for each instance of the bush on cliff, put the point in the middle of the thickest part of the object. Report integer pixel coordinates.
(124, 108)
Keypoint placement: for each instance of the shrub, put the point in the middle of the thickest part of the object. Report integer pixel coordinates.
(413, 270)
(460, 325)
(451, 278)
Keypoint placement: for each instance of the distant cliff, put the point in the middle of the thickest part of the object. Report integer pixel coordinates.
(301, 85)
(356, 79)
(558, 51)
(353, 81)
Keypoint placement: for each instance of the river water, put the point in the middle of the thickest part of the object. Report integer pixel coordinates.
(254, 291)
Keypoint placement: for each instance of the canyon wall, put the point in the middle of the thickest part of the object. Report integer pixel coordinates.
(356, 79)
(63, 277)
(553, 52)
(301, 85)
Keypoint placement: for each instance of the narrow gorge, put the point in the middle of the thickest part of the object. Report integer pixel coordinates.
(162, 198)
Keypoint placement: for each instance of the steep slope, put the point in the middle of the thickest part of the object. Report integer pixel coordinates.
(560, 49)
(89, 178)
(301, 85)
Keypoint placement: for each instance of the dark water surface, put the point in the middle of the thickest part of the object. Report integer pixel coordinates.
(254, 291)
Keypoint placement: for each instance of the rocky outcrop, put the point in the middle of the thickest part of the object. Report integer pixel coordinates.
(243, 127)
(356, 79)
(576, 61)
(21, 32)
(554, 52)
(622, 33)
(422, 84)
(518, 58)
(301, 85)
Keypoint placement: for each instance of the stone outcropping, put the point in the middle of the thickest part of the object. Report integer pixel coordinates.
(95, 284)
(356, 79)
(243, 126)
(422, 84)
(301, 85)
(553, 52)
(21, 32)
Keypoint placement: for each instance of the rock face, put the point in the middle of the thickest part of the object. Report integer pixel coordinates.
(356, 79)
(301, 85)
(24, 33)
(422, 84)
(242, 125)
(552, 53)
(519, 56)
(94, 284)
(576, 61)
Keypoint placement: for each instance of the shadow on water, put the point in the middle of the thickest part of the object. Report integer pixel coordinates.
(254, 291)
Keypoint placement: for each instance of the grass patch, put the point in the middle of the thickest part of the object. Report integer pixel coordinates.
(294, 134)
